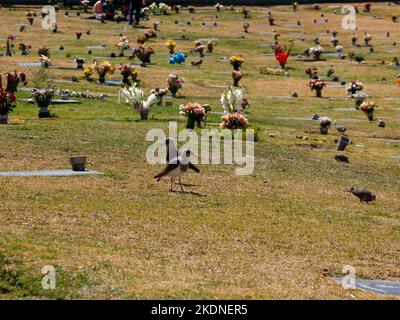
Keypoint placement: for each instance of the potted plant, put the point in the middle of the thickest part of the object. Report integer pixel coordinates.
(174, 83)
(325, 124)
(10, 45)
(7, 105)
(236, 76)
(233, 100)
(359, 98)
(368, 107)
(354, 86)
(317, 85)
(136, 96)
(195, 114)
(13, 79)
(199, 48)
(235, 120)
(78, 34)
(143, 54)
(282, 54)
(211, 46)
(43, 98)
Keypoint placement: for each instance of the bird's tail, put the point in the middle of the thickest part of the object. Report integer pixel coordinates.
(158, 176)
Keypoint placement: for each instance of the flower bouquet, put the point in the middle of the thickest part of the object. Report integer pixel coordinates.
(45, 61)
(102, 69)
(150, 34)
(171, 44)
(236, 62)
(246, 27)
(85, 4)
(219, 7)
(325, 124)
(10, 45)
(30, 16)
(160, 93)
(199, 48)
(174, 83)
(43, 98)
(127, 71)
(210, 46)
(195, 114)
(141, 39)
(44, 51)
(316, 52)
(79, 63)
(87, 73)
(245, 12)
(122, 45)
(136, 96)
(358, 98)
(368, 107)
(178, 58)
(143, 54)
(7, 105)
(78, 34)
(25, 48)
(317, 85)
(354, 86)
(281, 54)
(234, 120)
(13, 80)
(164, 8)
(233, 100)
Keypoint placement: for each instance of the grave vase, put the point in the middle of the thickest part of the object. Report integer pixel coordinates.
(191, 122)
(318, 92)
(4, 118)
(43, 110)
(144, 115)
(323, 130)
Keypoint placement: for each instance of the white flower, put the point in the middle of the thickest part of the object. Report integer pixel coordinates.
(151, 100)
(232, 99)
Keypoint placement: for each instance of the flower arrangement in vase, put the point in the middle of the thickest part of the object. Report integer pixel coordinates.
(354, 86)
(324, 125)
(171, 45)
(174, 84)
(194, 113)
(30, 16)
(236, 62)
(317, 85)
(7, 104)
(368, 107)
(218, 7)
(10, 45)
(191, 9)
(80, 62)
(85, 4)
(233, 100)
(129, 74)
(78, 34)
(25, 49)
(150, 34)
(102, 69)
(211, 46)
(13, 79)
(315, 52)
(282, 54)
(87, 73)
(122, 45)
(143, 54)
(164, 8)
(160, 93)
(44, 51)
(43, 98)
(246, 27)
(199, 48)
(136, 96)
(45, 61)
(233, 121)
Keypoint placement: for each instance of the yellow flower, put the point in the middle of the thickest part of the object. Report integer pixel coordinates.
(87, 72)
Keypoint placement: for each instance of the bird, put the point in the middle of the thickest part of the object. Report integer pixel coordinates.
(176, 168)
(173, 153)
(341, 158)
(197, 63)
(363, 194)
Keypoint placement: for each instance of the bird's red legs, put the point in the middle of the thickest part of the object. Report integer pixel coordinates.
(172, 181)
(180, 184)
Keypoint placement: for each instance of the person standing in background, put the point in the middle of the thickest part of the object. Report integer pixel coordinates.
(135, 5)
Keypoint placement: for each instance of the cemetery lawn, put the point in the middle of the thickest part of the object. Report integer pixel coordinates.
(279, 233)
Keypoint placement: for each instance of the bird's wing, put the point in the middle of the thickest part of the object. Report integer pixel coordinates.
(168, 168)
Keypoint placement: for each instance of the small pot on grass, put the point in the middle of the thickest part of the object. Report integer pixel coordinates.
(3, 118)
(78, 163)
(343, 143)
